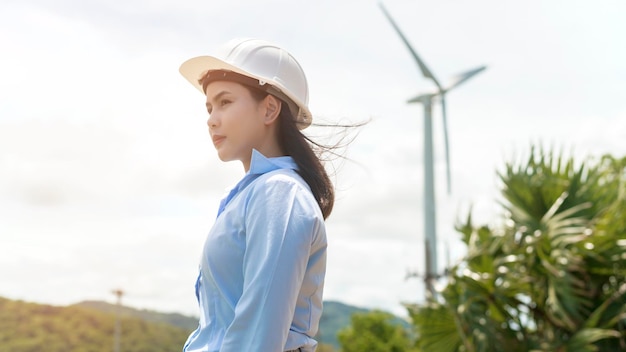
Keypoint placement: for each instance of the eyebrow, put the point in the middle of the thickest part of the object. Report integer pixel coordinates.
(217, 96)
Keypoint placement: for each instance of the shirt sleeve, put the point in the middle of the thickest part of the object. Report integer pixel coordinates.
(281, 224)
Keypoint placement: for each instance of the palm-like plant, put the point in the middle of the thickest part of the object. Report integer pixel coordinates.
(553, 278)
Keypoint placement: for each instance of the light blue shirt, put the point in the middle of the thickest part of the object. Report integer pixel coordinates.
(263, 265)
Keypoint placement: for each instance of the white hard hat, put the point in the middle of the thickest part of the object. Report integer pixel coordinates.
(263, 61)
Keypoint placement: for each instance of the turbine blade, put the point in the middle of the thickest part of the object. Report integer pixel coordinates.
(462, 77)
(425, 71)
(446, 140)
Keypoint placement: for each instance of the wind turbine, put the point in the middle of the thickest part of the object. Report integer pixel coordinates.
(426, 100)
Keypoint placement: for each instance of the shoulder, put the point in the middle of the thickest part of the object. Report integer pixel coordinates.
(283, 186)
(282, 179)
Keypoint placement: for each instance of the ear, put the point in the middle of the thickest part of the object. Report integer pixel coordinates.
(272, 109)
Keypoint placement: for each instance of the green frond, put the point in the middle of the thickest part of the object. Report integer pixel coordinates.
(584, 339)
(553, 278)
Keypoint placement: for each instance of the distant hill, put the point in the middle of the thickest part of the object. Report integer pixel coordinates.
(335, 317)
(30, 327)
(88, 327)
(175, 319)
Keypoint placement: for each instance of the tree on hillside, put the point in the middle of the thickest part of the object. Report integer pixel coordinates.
(552, 277)
(374, 331)
(322, 347)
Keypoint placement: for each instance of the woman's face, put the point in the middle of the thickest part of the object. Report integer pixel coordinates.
(236, 121)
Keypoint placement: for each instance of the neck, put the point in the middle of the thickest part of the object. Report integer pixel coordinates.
(269, 151)
(268, 146)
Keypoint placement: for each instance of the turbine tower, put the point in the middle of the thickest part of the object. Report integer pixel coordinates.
(426, 99)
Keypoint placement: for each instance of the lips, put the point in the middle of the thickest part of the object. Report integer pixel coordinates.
(217, 139)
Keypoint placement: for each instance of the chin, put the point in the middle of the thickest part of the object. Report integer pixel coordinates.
(224, 157)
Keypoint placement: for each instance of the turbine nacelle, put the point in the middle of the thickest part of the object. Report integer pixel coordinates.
(454, 82)
(424, 98)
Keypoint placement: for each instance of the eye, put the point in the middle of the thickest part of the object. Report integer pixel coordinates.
(224, 102)
(209, 108)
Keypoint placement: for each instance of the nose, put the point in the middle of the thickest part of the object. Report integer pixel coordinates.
(211, 122)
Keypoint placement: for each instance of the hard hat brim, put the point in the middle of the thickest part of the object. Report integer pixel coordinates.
(196, 67)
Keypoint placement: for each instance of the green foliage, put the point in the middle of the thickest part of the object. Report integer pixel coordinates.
(374, 332)
(437, 327)
(29, 327)
(553, 278)
(335, 317)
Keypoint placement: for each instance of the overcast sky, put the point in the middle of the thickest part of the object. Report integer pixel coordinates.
(108, 178)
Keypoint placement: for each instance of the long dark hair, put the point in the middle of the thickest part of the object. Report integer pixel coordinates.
(300, 147)
(310, 167)
(292, 141)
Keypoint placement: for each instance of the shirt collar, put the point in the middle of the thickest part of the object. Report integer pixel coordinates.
(260, 164)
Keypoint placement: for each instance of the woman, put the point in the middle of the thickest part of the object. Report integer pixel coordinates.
(263, 263)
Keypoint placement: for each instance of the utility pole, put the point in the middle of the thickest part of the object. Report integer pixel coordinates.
(118, 328)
